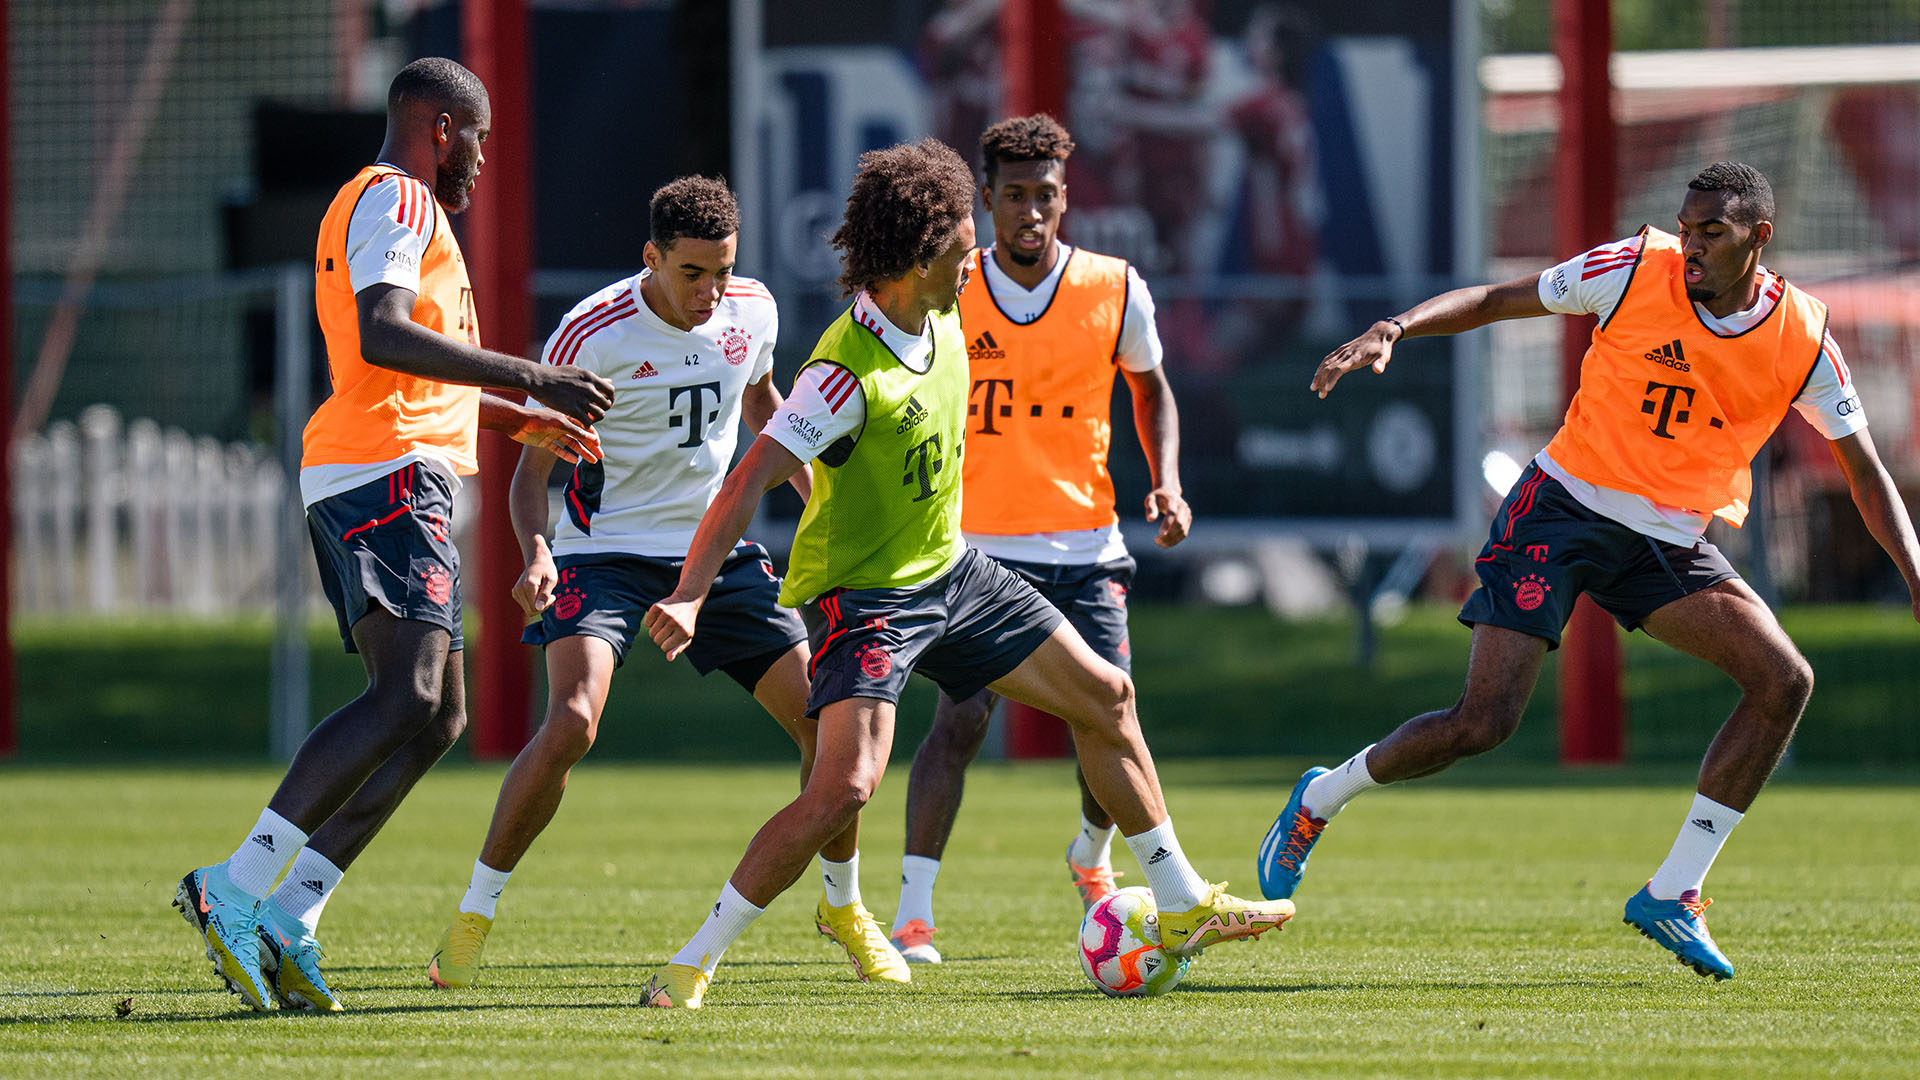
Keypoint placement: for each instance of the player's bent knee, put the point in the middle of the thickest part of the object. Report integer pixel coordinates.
(568, 734)
(1478, 730)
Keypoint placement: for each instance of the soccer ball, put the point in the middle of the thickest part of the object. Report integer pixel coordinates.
(1120, 947)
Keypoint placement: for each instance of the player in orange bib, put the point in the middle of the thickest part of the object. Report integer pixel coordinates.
(1048, 326)
(1700, 354)
(381, 463)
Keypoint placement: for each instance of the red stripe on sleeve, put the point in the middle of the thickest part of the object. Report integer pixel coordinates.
(584, 325)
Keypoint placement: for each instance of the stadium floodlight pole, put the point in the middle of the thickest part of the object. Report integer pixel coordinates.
(495, 44)
(1592, 713)
(9, 729)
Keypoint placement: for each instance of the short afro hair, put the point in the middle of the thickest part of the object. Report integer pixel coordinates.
(1024, 138)
(1749, 196)
(907, 202)
(437, 82)
(699, 207)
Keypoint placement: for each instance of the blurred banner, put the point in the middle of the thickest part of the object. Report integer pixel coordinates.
(1280, 174)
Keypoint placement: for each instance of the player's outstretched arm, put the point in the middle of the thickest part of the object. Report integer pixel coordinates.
(532, 425)
(758, 402)
(766, 466)
(1449, 313)
(1156, 419)
(527, 506)
(389, 338)
(1880, 506)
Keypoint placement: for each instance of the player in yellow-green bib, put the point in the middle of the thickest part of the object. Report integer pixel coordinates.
(887, 586)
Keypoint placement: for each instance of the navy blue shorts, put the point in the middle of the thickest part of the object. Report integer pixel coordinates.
(742, 628)
(1093, 597)
(390, 542)
(964, 630)
(1546, 548)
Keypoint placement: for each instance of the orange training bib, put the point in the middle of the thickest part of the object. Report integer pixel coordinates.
(1037, 419)
(375, 413)
(1673, 411)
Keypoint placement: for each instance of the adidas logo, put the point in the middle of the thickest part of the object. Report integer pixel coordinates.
(647, 371)
(1705, 823)
(265, 840)
(1158, 855)
(316, 886)
(985, 348)
(716, 909)
(916, 412)
(1672, 355)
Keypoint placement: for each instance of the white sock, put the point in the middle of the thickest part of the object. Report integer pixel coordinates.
(1093, 846)
(1329, 793)
(917, 875)
(271, 842)
(842, 880)
(1705, 830)
(309, 885)
(730, 917)
(1176, 886)
(484, 889)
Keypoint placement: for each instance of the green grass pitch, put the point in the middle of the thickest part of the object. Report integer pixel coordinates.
(1458, 928)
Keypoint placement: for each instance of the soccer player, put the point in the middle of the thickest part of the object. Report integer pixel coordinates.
(693, 344)
(1047, 326)
(381, 462)
(1700, 353)
(887, 583)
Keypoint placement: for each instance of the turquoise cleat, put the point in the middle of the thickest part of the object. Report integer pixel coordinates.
(290, 964)
(1680, 926)
(1283, 854)
(229, 922)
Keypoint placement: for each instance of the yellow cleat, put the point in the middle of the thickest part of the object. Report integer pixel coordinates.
(676, 986)
(854, 927)
(1220, 917)
(456, 963)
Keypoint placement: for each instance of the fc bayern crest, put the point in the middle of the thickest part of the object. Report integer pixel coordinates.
(1531, 591)
(734, 344)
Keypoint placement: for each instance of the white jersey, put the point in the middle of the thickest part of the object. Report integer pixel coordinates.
(1593, 283)
(670, 435)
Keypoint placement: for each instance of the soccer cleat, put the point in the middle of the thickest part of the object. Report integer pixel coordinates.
(856, 930)
(1283, 854)
(1680, 926)
(456, 963)
(1220, 917)
(290, 966)
(915, 942)
(676, 986)
(229, 922)
(1094, 883)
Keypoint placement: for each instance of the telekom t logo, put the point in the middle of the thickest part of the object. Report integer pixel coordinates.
(1665, 407)
(1537, 552)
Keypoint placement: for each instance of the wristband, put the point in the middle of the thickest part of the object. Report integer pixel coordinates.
(1398, 325)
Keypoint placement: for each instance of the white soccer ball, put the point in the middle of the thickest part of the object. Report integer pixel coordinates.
(1120, 947)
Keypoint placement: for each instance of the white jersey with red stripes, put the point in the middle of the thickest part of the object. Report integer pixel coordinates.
(670, 436)
(1594, 283)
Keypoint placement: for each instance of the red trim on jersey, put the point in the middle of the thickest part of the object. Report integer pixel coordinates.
(1594, 269)
(597, 318)
(837, 387)
(1832, 349)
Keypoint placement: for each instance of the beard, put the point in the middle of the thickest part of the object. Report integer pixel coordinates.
(452, 182)
(1022, 260)
(1701, 296)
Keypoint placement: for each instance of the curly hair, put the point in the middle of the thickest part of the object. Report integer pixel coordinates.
(436, 81)
(1024, 138)
(697, 206)
(1749, 196)
(907, 201)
